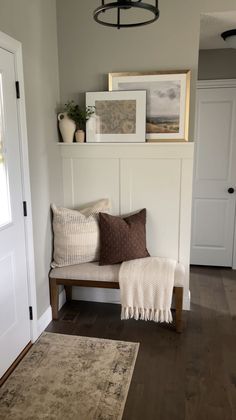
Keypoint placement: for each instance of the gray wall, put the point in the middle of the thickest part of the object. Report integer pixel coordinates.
(217, 64)
(33, 22)
(88, 51)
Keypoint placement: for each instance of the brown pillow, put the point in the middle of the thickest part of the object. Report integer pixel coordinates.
(122, 239)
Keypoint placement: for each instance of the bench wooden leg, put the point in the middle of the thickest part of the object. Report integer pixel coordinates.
(68, 290)
(179, 309)
(54, 295)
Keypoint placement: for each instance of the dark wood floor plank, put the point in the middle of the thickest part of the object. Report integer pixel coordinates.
(177, 377)
(212, 395)
(229, 282)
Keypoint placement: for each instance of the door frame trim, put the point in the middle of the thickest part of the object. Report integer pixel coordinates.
(213, 84)
(217, 83)
(10, 44)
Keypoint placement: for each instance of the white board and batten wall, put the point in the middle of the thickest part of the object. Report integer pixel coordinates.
(156, 176)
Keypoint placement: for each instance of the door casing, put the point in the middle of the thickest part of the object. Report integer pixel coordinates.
(10, 44)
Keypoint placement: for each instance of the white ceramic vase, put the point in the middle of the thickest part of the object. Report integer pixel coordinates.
(79, 136)
(67, 127)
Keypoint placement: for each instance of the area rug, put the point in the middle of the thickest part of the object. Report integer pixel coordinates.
(70, 377)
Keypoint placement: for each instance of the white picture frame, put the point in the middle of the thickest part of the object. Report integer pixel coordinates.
(120, 117)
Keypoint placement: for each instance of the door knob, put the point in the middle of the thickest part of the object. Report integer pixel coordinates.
(230, 190)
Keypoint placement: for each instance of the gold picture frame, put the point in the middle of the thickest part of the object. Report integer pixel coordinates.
(168, 101)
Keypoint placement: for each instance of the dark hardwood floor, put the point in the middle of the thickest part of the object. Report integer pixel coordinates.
(188, 376)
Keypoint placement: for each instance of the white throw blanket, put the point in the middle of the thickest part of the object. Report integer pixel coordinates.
(146, 287)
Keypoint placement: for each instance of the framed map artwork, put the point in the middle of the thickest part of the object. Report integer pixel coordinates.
(119, 117)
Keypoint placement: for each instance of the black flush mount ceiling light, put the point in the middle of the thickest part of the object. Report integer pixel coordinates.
(230, 38)
(121, 6)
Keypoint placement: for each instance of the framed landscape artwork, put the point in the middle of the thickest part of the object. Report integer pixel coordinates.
(119, 117)
(168, 95)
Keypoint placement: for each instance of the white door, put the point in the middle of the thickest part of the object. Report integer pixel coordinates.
(14, 308)
(214, 188)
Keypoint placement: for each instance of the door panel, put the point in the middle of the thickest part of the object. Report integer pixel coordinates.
(213, 207)
(159, 181)
(101, 177)
(5, 208)
(14, 317)
(8, 301)
(215, 131)
(214, 238)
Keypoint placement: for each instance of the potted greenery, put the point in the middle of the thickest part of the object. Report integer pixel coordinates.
(80, 116)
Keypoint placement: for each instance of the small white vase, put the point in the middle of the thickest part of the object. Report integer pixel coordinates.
(79, 136)
(67, 127)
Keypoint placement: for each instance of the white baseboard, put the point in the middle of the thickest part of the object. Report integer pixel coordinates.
(62, 299)
(111, 295)
(93, 294)
(44, 320)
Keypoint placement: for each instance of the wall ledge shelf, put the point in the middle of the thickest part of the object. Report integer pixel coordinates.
(149, 143)
(180, 150)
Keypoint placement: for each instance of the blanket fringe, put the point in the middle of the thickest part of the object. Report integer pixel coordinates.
(156, 315)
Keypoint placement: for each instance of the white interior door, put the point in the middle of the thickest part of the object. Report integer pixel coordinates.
(213, 219)
(14, 307)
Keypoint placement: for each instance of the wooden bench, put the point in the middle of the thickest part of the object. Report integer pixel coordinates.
(79, 277)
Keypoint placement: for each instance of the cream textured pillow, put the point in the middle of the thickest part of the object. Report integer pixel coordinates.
(76, 234)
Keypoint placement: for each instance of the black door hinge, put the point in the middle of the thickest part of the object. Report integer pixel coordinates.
(18, 89)
(25, 208)
(30, 313)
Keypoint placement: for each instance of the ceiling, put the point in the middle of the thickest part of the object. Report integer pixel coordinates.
(212, 25)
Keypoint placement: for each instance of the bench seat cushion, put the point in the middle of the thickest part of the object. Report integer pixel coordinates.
(94, 272)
